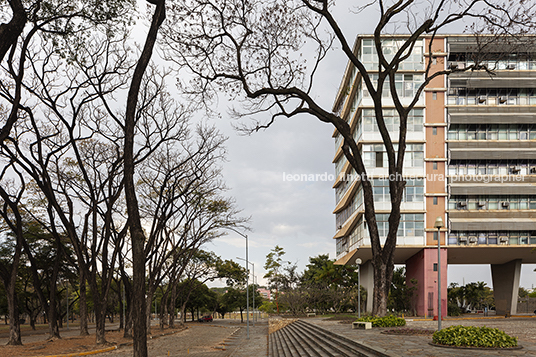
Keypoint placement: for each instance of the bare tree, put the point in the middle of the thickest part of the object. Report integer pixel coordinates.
(11, 215)
(251, 50)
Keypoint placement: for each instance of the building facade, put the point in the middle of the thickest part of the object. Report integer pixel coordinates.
(470, 159)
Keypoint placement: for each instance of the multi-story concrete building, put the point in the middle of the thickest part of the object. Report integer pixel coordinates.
(470, 159)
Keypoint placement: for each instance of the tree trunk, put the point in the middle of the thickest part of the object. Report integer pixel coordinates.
(53, 329)
(148, 306)
(83, 304)
(134, 220)
(128, 322)
(14, 323)
(100, 322)
(183, 313)
(383, 274)
(172, 310)
(32, 322)
(121, 316)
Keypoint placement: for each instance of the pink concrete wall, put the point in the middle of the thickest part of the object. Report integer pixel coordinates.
(421, 267)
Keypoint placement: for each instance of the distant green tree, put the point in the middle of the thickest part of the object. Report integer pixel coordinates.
(401, 294)
(274, 270)
(522, 293)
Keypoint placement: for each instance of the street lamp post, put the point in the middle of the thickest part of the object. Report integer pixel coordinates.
(253, 290)
(247, 280)
(439, 224)
(68, 305)
(358, 261)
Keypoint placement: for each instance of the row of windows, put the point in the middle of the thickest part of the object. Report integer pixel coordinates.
(496, 61)
(345, 184)
(495, 167)
(413, 192)
(376, 156)
(358, 233)
(392, 120)
(355, 103)
(390, 47)
(492, 132)
(491, 96)
(411, 225)
(341, 245)
(340, 165)
(343, 216)
(500, 237)
(406, 85)
(492, 202)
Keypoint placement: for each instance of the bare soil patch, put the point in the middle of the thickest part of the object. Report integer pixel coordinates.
(68, 345)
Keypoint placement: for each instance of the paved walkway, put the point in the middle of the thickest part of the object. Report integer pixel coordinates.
(400, 345)
(221, 338)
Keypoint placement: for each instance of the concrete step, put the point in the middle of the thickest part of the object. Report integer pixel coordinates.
(303, 339)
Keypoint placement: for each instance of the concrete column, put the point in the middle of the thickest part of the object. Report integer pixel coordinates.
(423, 267)
(506, 286)
(367, 281)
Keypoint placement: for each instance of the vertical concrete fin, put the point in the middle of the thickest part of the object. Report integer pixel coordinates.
(506, 286)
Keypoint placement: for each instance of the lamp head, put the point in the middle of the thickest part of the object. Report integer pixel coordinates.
(438, 222)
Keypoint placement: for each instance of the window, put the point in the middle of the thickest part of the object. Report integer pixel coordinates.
(434, 61)
(414, 155)
(435, 165)
(390, 47)
(434, 96)
(435, 236)
(411, 225)
(434, 130)
(435, 201)
(406, 85)
(435, 266)
(392, 120)
(413, 191)
(379, 159)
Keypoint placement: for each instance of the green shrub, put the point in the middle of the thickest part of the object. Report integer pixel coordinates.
(454, 310)
(471, 336)
(386, 321)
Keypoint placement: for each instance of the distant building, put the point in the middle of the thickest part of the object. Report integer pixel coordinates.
(470, 159)
(265, 293)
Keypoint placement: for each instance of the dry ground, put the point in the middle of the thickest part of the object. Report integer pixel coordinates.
(67, 345)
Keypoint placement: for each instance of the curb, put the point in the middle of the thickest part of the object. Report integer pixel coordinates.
(85, 353)
(477, 348)
(476, 318)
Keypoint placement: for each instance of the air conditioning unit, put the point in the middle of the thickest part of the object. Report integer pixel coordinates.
(339, 227)
(505, 204)
(473, 240)
(463, 240)
(462, 204)
(502, 100)
(511, 66)
(533, 170)
(453, 65)
(481, 203)
(482, 99)
(503, 240)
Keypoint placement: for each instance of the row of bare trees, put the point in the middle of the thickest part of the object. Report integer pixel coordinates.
(132, 190)
(68, 69)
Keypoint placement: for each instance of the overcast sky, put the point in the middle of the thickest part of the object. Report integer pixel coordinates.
(297, 216)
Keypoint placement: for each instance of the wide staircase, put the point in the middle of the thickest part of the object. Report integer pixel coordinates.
(303, 339)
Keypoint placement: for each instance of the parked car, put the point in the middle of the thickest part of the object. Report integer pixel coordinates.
(206, 318)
